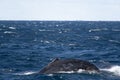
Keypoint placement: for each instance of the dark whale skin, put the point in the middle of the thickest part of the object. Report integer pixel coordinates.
(58, 65)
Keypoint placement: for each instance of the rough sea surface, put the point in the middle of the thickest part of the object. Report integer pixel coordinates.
(27, 46)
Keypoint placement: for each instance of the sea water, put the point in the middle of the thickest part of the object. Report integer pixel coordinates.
(28, 46)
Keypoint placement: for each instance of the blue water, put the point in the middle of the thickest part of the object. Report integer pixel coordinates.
(27, 46)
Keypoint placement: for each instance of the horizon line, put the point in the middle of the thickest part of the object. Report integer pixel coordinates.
(63, 20)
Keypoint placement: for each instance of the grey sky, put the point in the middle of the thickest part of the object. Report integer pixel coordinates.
(60, 10)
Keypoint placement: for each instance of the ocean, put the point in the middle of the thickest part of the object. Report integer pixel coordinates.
(27, 46)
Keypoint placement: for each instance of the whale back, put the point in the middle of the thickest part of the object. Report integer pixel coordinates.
(58, 65)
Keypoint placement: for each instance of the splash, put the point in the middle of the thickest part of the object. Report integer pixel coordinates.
(114, 69)
(79, 71)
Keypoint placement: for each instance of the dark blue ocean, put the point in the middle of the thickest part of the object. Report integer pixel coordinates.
(27, 46)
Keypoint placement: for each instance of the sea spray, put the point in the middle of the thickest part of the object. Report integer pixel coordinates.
(114, 69)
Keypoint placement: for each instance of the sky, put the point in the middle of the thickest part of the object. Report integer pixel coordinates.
(88, 10)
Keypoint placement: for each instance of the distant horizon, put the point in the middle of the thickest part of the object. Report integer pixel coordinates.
(68, 20)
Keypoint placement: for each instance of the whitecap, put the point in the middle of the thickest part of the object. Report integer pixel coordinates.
(8, 32)
(114, 69)
(93, 30)
(12, 28)
(96, 30)
(71, 44)
(50, 74)
(116, 30)
(47, 42)
(43, 30)
(60, 32)
(26, 73)
(96, 37)
(56, 25)
(114, 41)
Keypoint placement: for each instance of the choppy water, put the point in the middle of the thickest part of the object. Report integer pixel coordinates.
(27, 46)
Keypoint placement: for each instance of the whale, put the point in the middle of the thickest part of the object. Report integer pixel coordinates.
(64, 65)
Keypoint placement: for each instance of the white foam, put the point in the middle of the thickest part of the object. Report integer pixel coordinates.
(47, 42)
(8, 32)
(12, 28)
(114, 69)
(93, 30)
(79, 71)
(96, 30)
(56, 25)
(50, 74)
(26, 73)
(115, 41)
(43, 30)
(72, 44)
(66, 72)
(96, 37)
(117, 30)
(60, 32)
(84, 71)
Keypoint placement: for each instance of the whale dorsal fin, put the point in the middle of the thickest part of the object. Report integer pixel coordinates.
(54, 60)
(47, 67)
